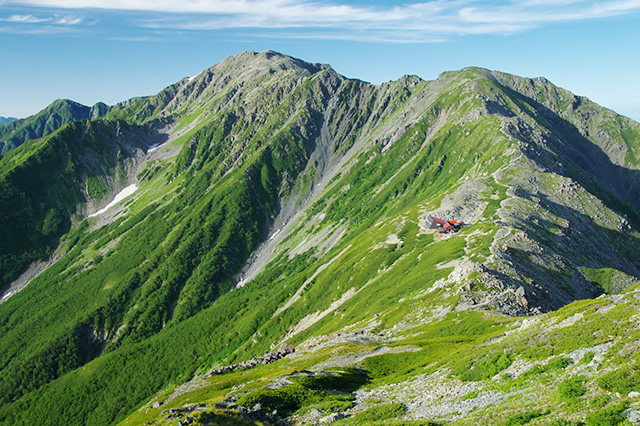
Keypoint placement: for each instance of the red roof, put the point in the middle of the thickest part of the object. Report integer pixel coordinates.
(438, 220)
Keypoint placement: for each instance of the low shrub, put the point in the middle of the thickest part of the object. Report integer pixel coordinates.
(378, 413)
(324, 391)
(587, 358)
(599, 401)
(347, 380)
(485, 368)
(622, 380)
(572, 387)
(563, 422)
(559, 363)
(610, 416)
(523, 418)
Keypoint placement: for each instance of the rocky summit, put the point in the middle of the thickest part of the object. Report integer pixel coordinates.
(269, 242)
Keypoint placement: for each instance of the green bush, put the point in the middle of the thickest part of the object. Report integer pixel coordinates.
(485, 368)
(610, 416)
(324, 391)
(523, 418)
(599, 401)
(406, 423)
(559, 364)
(393, 363)
(333, 405)
(379, 413)
(623, 380)
(286, 399)
(572, 387)
(586, 359)
(347, 380)
(563, 422)
(556, 364)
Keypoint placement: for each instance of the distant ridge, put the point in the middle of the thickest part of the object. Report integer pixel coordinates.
(15, 132)
(5, 120)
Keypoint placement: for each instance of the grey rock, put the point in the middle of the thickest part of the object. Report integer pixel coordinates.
(269, 357)
(286, 348)
(633, 415)
(333, 417)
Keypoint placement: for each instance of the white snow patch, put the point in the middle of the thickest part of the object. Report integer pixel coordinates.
(274, 235)
(121, 196)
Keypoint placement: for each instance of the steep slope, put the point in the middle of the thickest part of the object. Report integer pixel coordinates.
(288, 204)
(46, 183)
(47, 121)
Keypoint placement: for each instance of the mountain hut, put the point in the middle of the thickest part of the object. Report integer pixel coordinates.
(443, 226)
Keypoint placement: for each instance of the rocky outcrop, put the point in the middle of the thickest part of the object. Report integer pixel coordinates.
(269, 357)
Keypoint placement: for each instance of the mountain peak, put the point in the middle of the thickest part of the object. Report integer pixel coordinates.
(248, 73)
(269, 60)
(45, 122)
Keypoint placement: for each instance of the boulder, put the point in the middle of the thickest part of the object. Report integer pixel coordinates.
(633, 415)
(286, 348)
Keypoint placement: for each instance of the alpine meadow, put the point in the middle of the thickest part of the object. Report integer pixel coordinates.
(271, 243)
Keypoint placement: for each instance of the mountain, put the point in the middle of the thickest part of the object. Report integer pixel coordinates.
(15, 132)
(5, 120)
(269, 201)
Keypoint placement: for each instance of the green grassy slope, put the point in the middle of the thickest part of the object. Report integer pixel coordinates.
(45, 182)
(350, 171)
(573, 366)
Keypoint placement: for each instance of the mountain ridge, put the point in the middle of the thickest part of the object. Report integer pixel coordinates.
(306, 193)
(5, 120)
(47, 121)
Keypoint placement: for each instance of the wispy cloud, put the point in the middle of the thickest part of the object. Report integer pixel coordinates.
(540, 12)
(31, 19)
(25, 19)
(68, 20)
(322, 19)
(140, 39)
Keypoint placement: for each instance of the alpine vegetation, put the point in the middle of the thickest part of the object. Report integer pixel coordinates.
(270, 242)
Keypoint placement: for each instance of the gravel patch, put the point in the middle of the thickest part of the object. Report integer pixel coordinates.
(434, 396)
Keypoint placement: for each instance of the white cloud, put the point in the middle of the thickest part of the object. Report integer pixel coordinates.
(539, 12)
(68, 20)
(417, 22)
(25, 19)
(35, 29)
(31, 19)
(140, 39)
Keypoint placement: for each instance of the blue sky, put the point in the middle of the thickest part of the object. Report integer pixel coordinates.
(112, 50)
